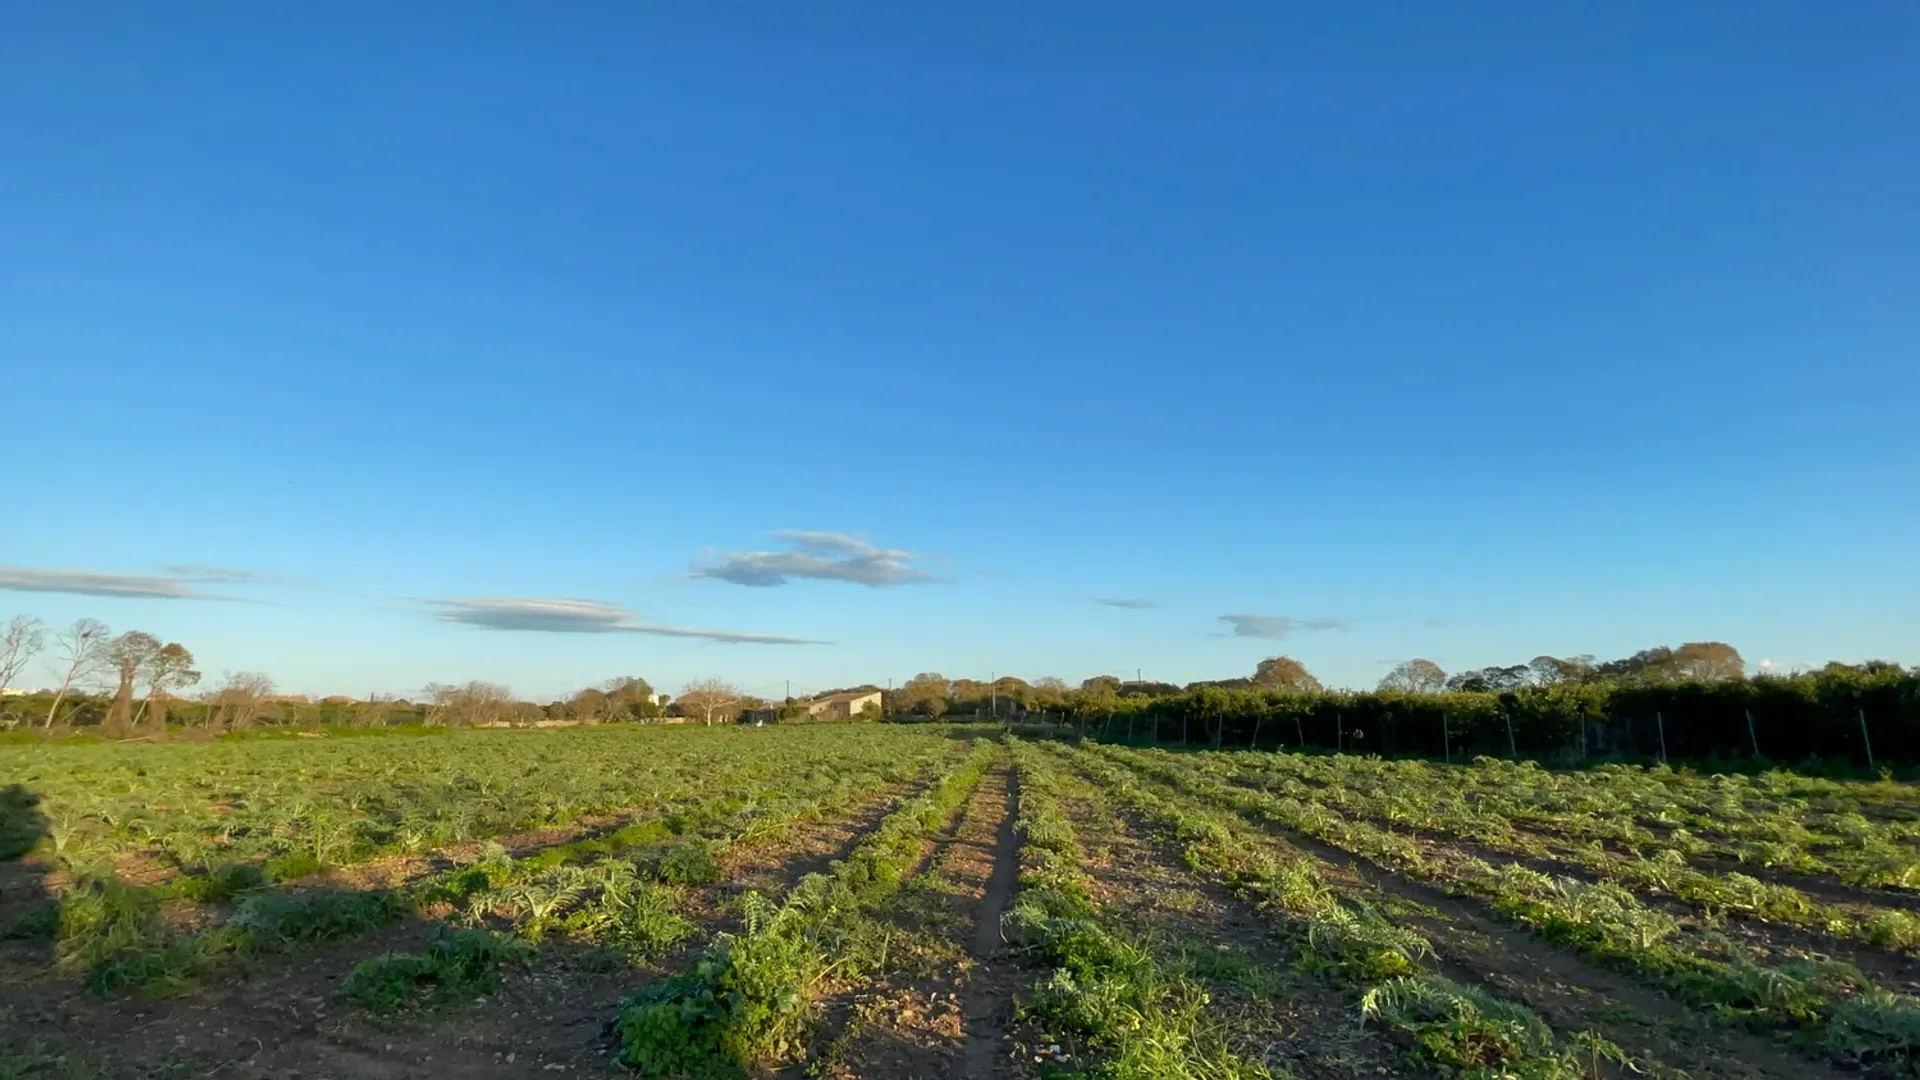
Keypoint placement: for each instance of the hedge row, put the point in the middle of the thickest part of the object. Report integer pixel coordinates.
(1784, 719)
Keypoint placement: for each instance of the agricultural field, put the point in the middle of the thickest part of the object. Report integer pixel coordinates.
(902, 901)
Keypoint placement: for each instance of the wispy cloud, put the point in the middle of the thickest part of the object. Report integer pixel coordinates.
(97, 583)
(1132, 603)
(1277, 626)
(820, 556)
(524, 613)
(206, 573)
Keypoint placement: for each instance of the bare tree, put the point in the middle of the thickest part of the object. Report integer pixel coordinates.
(373, 711)
(128, 655)
(170, 668)
(711, 699)
(82, 647)
(440, 701)
(1285, 673)
(1418, 676)
(20, 642)
(485, 702)
(477, 703)
(238, 699)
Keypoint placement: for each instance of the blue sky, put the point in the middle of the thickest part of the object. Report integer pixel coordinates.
(1471, 331)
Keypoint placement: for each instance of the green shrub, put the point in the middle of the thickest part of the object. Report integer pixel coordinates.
(745, 1001)
(458, 965)
(292, 866)
(690, 862)
(274, 920)
(221, 882)
(646, 922)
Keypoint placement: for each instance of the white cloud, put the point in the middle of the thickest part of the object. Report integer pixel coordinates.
(96, 583)
(1277, 626)
(1132, 603)
(568, 616)
(204, 572)
(819, 556)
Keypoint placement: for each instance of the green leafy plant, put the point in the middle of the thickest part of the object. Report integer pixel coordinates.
(457, 965)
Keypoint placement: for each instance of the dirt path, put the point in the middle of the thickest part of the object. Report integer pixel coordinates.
(988, 999)
(941, 1005)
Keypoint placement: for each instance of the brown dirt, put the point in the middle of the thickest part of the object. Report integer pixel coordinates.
(773, 866)
(940, 1008)
(1566, 990)
(1771, 942)
(1304, 1026)
(989, 995)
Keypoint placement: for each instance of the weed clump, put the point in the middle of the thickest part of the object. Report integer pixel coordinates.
(457, 965)
(113, 934)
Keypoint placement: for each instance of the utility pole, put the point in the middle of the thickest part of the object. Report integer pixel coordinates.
(993, 694)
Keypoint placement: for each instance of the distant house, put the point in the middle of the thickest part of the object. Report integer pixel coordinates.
(843, 705)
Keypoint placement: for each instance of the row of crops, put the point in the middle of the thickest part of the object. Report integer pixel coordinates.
(1486, 920)
(1621, 884)
(262, 884)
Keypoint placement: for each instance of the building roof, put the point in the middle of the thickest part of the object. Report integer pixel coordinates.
(846, 695)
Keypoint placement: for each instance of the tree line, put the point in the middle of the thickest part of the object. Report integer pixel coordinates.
(133, 685)
(1693, 700)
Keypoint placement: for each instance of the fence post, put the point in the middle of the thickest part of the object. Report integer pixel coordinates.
(1661, 722)
(1446, 739)
(1339, 733)
(1868, 739)
(1254, 743)
(1512, 747)
(1751, 737)
(1300, 730)
(1186, 728)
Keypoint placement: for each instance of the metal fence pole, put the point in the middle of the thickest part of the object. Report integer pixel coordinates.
(1661, 722)
(1751, 737)
(1446, 739)
(1866, 738)
(1512, 747)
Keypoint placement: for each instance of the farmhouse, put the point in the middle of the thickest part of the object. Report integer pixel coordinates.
(843, 704)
